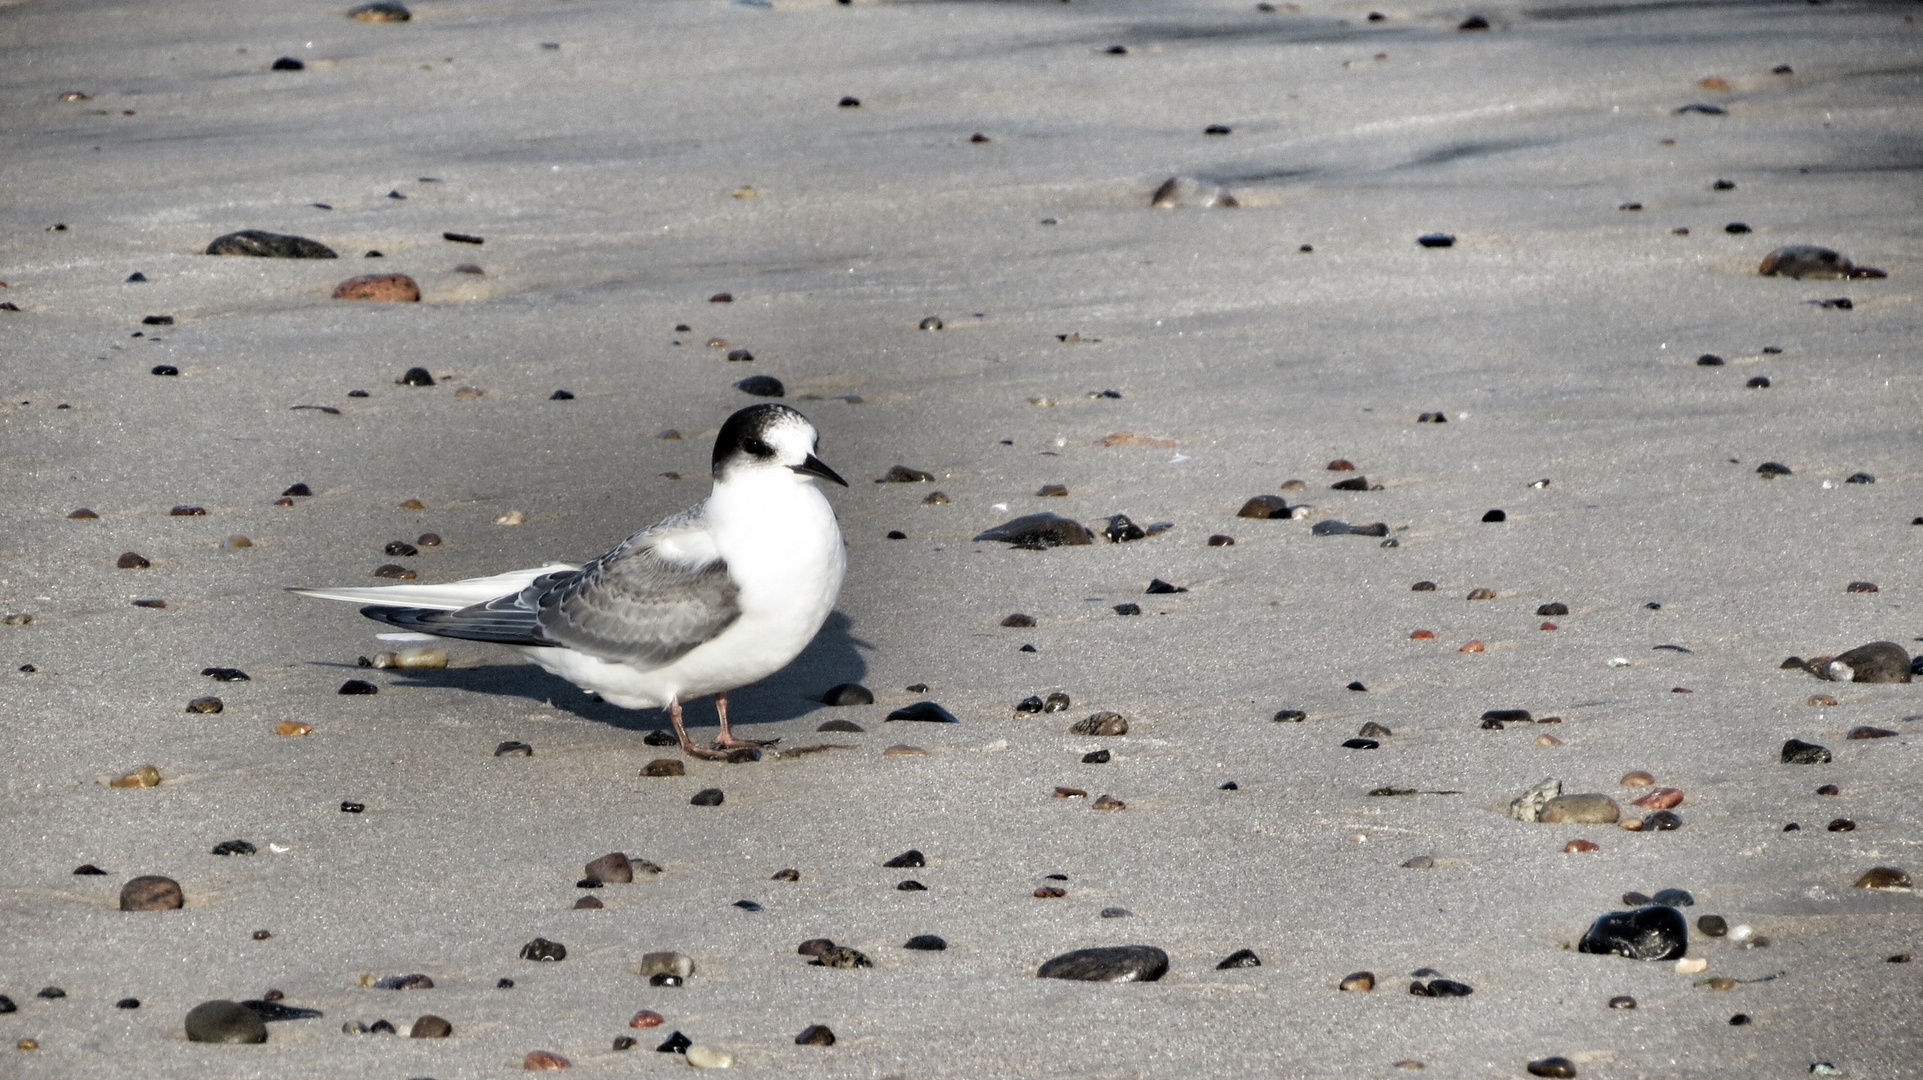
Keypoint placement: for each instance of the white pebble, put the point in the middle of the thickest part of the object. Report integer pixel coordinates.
(1690, 965)
(1619, 661)
(1741, 932)
(512, 517)
(707, 1057)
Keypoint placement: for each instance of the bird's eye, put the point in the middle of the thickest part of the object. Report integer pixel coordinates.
(758, 448)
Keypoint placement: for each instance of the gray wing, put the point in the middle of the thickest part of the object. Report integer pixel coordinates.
(652, 599)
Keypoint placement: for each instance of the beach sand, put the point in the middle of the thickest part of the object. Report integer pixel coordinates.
(1559, 335)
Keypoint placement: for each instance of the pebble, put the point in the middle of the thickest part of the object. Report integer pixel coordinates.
(814, 946)
(127, 1003)
(1264, 507)
(707, 1057)
(1035, 531)
(1221, 540)
(384, 11)
(1240, 958)
(1070, 793)
(384, 287)
(1096, 757)
(267, 245)
(353, 687)
(1482, 594)
(1637, 778)
(1120, 530)
(842, 957)
(1870, 733)
(1360, 744)
(660, 738)
(1577, 846)
(1770, 469)
(664, 767)
(676, 1043)
(613, 868)
(1877, 662)
(1436, 240)
(902, 474)
(1101, 724)
(925, 943)
(1107, 802)
(761, 386)
(903, 750)
(840, 725)
(815, 1035)
(545, 1059)
(132, 560)
(225, 674)
(706, 797)
(224, 1022)
(1661, 798)
(1116, 963)
(1656, 932)
(1798, 752)
(1020, 620)
(1495, 516)
(1884, 877)
(1128, 609)
(145, 776)
(430, 1027)
(235, 847)
(1158, 587)
(1188, 192)
(1552, 1066)
(165, 369)
(151, 893)
(1805, 260)
(1441, 988)
(924, 712)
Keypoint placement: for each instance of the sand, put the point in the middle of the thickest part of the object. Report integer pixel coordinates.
(1559, 334)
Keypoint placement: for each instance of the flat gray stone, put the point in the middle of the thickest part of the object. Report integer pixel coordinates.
(225, 1022)
(1115, 963)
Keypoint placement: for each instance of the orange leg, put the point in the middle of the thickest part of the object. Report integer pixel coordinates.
(727, 739)
(687, 746)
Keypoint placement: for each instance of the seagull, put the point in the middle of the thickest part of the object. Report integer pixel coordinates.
(720, 595)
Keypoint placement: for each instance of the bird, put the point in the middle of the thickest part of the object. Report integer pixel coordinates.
(713, 598)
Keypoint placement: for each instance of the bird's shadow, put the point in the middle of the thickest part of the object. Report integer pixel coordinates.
(832, 657)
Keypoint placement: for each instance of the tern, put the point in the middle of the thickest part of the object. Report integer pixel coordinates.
(711, 599)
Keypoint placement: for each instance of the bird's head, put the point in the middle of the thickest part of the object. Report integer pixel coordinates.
(766, 438)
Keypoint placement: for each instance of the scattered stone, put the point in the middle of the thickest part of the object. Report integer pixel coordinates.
(1107, 802)
(1870, 733)
(545, 1059)
(1264, 507)
(1158, 587)
(1020, 620)
(1220, 540)
(815, 946)
(353, 687)
(1482, 594)
(1101, 724)
(1440, 988)
(1552, 1066)
(1580, 810)
(840, 725)
(1657, 932)
(1662, 798)
(1121, 530)
(1529, 805)
(430, 1027)
(907, 860)
(1035, 531)
(706, 797)
(1884, 877)
(1579, 846)
(145, 776)
(660, 738)
(1436, 240)
(132, 560)
(613, 868)
(385, 287)
(224, 1022)
(925, 943)
(707, 1057)
(1805, 260)
(1359, 982)
(235, 847)
(815, 1035)
(1128, 609)
(1118, 963)
(761, 386)
(1798, 752)
(1188, 192)
(842, 957)
(925, 712)
(1240, 958)
(151, 893)
(267, 245)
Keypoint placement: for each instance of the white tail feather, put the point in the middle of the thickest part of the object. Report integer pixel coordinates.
(449, 596)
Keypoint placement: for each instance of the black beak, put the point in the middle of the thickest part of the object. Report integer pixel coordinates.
(814, 466)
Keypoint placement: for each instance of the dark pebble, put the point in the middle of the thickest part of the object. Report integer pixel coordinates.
(1436, 240)
(1622, 1001)
(462, 238)
(1020, 620)
(660, 738)
(1798, 752)
(1739, 1020)
(225, 674)
(1859, 478)
(1095, 757)
(358, 686)
(909, 859)
(815, 946)
(89, 870)
(543, 949)
(353, 807)
(1759, 382)
(1829, 789)
(1121, 530)
(1736, 228)
(663, 978)
(1805, 260)
(747, 905)
(1158, 587)
(132, 560)
(924, 711)
(401, 549)
(1842, 824)
(125, 1003)
(1040, 531)
(1116, 50)
(1220, 540)
(1495, 515)
(224, 1022)
(902, 474)
(1115, 963)
(1240, 958)
(267, 245)
(1442, 988)
(151, 893)
(1357, 687)
(1473, 22)
(1837, 303)
(1030, 704)
(761, 386)
(677, 1044)
(1423, 586)
(1291, 716)
(842, 957)
(1648, 933)
(840, 725)
(1772, 468)
(51, 993)
(897, 534)
(706, 797)
(1101, 725)
(849, 103)
(1709, 360)
(1870, 733)
(513, 746)
(911, 886)
(740, 356)
(1228, 785)
(205, 705)
(1360, 744)
(1662, 821)
(235, 847)
(1216, 129)
(272, 1011)
(1676, 898)
(815, 1035)
(415, 376)
(1263, 507)
(1552, 1066)
(1353, 483)
(925, 943)
(1128, 609)
(613, 867)
(561, 395)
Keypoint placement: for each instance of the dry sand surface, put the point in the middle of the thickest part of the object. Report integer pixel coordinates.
(598, 148)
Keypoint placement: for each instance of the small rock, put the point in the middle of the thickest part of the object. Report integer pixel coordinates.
(1622, 1001)
(235, 847)
(1101, 724)
(145, 776)
(1662, 798)
(676, 1043)
(1870, 733)
(1482, 594)
(1657, 932)
(613, 868)
(1107, 802)
(925, 943)
(384, 11)
(151, 893)
(385, 287)
(1798, 752)
(1240, 958)
(1264, 507)
(1580, 846)
(902, 474)
(1220, 540)
(664, 767)
(706, 797)
(354, 687)
(1436, 240)
(1637, 778)
(815, 1035)
(842, 957)
(1118, 963)
(907, 860)
(1121, 530)
(761, 386)
(132, 560)
(1020, 620)
(224, 1022)
(1188, 192)
(1529, 805)
(1884, 877)
(1805, 260)
(840, 725)
(545, 1059)
(267, 245)
(814, 946)
(1128, 609)
(925, 712)
(430, 1027)
(1360, 982)
(1552, 1066)
(1040, 531)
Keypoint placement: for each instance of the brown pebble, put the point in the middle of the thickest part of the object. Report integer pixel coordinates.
(647, 1018)
(83, 514)
(1340, 465)
(1548, 740)
(1575, 846)
(1622, 1001)
(1661, 798)
(1108, 802)
(664, 767)
(27, 1044)
(263, 935)
(429, 540)
(430, 1027)
(151, 893)
(1829, 789)
(390, 287)
(239, 541)
(545, 1059)
(1101, 725)
(1070, 793)
(1050, 892)
(150, 603)
(145, 776)
(206, 705)
(293, 727)
(18, 618)
(411, 504)
(1360, 982)
(1870, 733)
(814, 946)
(1861, 586)
(1052, 491)
(613, 868)
(1884, 877)
(1482, 594)
(789, 874)
(1638, 778)
(1221, 540)
(1721, 982)
(1630, 824)
(187, 511)
(935, 498)
(395, 571)
(1472, 646)
(1821, 700)
(132, 560)
(283, 501)
(1548, 626)
(1018, 619)
(588, 903)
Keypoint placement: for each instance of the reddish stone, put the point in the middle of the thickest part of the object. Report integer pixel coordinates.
(378, 287)
(544, 1059)
(1661, 798)
(647, 1018)
(1574, 846)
